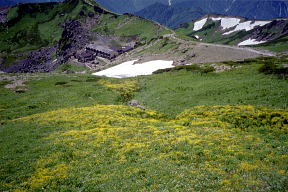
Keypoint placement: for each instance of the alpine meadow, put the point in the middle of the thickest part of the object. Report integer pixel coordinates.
(96, 98)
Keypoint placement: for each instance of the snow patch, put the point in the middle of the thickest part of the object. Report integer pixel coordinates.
(251, 42)
(227, 23)
(216, 18)
(129, 69)
(247, 26)
(196, 36)
(199, 24)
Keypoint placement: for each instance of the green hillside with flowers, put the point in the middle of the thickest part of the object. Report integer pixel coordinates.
(75, 132)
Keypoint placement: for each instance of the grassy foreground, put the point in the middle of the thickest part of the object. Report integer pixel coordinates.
(75, 133)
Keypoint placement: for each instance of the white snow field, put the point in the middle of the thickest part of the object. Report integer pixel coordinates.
(247, 26)
(216, 18)
(230, 22)
(251, 42)
(227, 23)
(129, 69)
(199, 24)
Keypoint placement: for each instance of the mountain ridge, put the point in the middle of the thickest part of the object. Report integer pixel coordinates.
(258, 10)
(213, 28)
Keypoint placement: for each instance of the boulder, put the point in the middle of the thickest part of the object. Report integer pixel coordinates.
(136, 103)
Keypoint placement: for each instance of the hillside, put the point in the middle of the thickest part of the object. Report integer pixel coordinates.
(237, 31)
(200, 131)
(180, 12)
(47, 36)
(63, 30)
(92, 100)
(252, 9)
(171, 16)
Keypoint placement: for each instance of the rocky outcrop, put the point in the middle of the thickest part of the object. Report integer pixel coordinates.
(136, 103)
(275, 29)
(41, 60)
(74, 38)
(3, 14)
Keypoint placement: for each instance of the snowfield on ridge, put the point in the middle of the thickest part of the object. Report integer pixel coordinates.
(230, 22)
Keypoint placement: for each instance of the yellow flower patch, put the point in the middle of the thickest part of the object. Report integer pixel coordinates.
(222, 141)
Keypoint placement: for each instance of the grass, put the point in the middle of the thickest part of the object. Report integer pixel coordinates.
(163, 46)
(69, 67)
(209, 132)
(278, 45)
(128, 26)
(173, 92)
(32, 26)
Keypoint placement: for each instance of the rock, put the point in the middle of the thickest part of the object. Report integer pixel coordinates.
(140, 107)
(133, 103)
(136, 103)
(37, 61)
(90, 14)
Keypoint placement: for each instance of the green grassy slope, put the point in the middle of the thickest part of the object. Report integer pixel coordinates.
(36, 25)
(32, 26)
(74, 132)
(129, 26)
(211, 33)
(173, 92)
(277, 45)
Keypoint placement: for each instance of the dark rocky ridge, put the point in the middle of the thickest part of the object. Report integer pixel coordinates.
(3, 14)
(37, 61)
(74, 37)
(280, 28)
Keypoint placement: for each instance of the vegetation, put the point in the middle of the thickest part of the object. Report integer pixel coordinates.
(130, 26)
(276, 45)
(201, 131)
(191, 68)
(32, 26)
(68, 67)
(180, 89)
(73, 132)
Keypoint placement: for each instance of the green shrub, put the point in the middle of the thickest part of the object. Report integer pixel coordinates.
(192, 68)
(272, 68)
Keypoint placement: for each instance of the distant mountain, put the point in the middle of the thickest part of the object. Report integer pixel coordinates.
(171, 16)
(236, 30)
(183, 12)
(14, 2)
(251, 9)
(129, 6)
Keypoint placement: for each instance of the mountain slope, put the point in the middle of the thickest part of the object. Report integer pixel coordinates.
(235, 30)
(14, 2)
(63, 30)
(41, 37)
(182, 12)
(171, 16)
(253, 9)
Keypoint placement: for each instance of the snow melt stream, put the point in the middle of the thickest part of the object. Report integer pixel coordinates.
(129, 69)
